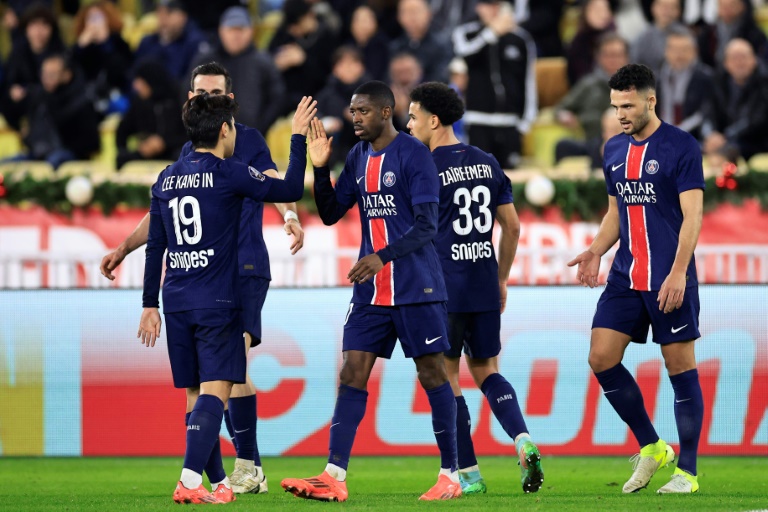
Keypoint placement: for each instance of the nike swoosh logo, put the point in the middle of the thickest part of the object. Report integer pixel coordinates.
(429, 342)
(360, 179)
(335, 424)
(241, 431)
(683, 400)
(675, 331)
(611, 391)
(614, 167)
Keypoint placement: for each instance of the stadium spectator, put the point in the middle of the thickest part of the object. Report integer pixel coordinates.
(153, 119)
(684, 86)
(63, 124)
(39, 39)
(595, 20)
(587, 100)
(372, 42)
(405, 73)
(542, 21)
(501, 91)
(255, 80)
(735, 19)
(333, 100)
(432, 49)
(737, 116)
(206, 15)
(301, 48)
(176, 42)
(649, 47)
(457, 81)
(102, 54)
(449, 14)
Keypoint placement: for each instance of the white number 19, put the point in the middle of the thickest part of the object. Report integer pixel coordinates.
(180, 217)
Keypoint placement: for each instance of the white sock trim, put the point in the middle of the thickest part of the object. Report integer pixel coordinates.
(190, 479)
(470, 469)
(336, 472)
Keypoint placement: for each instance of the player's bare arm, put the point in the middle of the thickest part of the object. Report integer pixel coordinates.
(149, 326)
(506, 216)
(589, 261)
(672, 289)
(135, 240)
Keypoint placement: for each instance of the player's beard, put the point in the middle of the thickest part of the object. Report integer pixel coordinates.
(641, 122)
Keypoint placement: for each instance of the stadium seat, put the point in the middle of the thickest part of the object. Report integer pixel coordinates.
(551, 80)
(541, 140)
(107, 131)
(144, 168)
(38, 170)
(759, 162)
(10, 143)
(279, 141)
(84, 168)
(572, 167)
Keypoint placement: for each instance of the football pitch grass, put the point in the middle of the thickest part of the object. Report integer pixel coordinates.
(380, 483)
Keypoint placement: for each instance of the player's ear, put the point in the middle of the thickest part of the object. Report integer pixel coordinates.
(190, 94)
(434, 121)
(652, 100)
(386, 112)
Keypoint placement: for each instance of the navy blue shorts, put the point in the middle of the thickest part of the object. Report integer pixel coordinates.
(253, 293)
(632, 312)
(419, 327)
(205, 345)
(478, 333)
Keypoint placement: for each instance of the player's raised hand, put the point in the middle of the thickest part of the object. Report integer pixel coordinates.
(305, 111)
(365, 268)
(588, 268)
(110, 262)
(149, 326)
(292, 227)
(671, 292)
(319, 145)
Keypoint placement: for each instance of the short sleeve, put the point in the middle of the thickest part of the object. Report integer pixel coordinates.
(690, 171)
(505, 186)
(422, 177)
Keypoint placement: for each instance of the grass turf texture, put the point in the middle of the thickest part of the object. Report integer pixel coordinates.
(380, 483)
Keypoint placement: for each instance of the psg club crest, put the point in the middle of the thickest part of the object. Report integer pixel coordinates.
(256, 174)
(389, 178)
(651, 166)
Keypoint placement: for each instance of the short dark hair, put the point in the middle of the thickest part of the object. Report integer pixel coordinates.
(203, 116)
(346, 51)
(608, 38)
(211, 69)
(294, 10)
(379, 92)
(440, 100)
(633, 76)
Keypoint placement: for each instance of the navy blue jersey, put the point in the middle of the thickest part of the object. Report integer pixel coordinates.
(198, 201)
(472, 186)
(386, 185)
(251, 149)
(647, 178)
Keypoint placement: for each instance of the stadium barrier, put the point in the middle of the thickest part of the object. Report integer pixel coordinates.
(74, 380)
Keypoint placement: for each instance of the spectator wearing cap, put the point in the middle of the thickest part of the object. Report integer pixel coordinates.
(256, 82)
(176, 42)
(39, 39)
(431, 48)
(301, 48)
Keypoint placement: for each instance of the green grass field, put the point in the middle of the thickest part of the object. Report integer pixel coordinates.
(380, 483)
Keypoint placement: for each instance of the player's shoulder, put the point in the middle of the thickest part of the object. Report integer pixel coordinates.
(680, 139)
(616, 142)
(407, 142)
(247, 132)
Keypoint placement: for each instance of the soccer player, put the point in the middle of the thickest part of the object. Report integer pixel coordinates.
(398, 291)
(253, 266)
(195, 212)
(473, 191)
(655, 183)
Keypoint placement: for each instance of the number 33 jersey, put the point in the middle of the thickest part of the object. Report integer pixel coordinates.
(472, 186)
(646, 178)
(199, 199)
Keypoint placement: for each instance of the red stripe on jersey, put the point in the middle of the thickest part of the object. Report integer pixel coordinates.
(640, 270)
(373, 173)
(383, 285)
(635, 157)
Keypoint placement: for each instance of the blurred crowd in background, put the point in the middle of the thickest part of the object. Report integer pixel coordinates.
(106, 80)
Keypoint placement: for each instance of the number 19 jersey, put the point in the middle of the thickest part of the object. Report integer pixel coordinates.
(472, 185)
